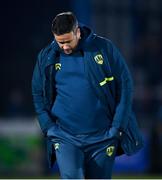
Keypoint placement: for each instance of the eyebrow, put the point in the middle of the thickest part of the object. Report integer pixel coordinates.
(63, 42)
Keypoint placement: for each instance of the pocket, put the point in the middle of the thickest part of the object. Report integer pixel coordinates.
(113, 133)
(52, 131)
(51, 157)
(132, 140)
(126, 143)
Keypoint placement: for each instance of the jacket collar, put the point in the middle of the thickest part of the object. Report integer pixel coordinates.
(52, 54)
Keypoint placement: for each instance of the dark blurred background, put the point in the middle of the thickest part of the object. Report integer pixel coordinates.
(135, 27)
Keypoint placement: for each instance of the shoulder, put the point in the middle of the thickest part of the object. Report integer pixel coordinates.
(103, 42)
(45, 51)
(101, 39)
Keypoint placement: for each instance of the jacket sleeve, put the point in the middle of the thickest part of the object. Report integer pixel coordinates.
(43, 116)
(124, 90)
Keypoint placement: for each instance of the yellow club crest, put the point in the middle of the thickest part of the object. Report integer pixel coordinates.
(57, 66)
(99, 59)
(110, 150)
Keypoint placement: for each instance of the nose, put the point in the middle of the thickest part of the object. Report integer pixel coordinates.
(65, 46)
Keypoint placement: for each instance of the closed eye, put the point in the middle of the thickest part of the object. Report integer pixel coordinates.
(65, 42)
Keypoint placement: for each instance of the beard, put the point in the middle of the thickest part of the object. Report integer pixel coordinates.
(68, 51)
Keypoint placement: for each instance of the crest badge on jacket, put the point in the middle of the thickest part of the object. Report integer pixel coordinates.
(57, 66)
(99, 59)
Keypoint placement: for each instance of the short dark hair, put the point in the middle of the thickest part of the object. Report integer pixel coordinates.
(64, 23)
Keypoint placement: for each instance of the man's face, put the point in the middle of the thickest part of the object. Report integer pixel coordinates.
(69, 41)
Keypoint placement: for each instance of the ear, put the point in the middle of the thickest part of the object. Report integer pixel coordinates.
(78, 33)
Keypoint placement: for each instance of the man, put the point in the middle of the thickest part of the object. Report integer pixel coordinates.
(82, 92)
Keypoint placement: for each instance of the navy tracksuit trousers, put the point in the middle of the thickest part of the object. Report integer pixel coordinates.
(84, 156)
